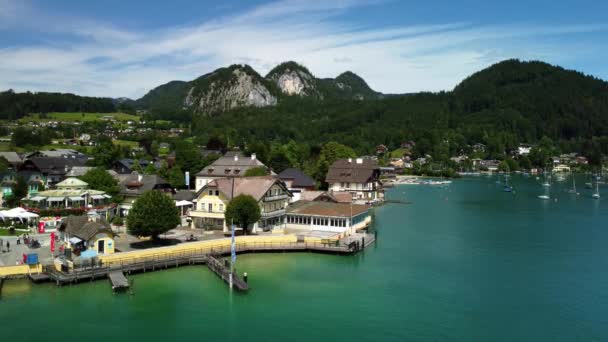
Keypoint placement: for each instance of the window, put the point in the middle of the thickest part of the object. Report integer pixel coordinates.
(202, 206)
(217, 192)
(210, 207)
(221, 207)
(210, 192)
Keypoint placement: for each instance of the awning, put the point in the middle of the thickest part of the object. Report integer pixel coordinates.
(76, 198)
(55, 199)
(183, 203)
(107, 196)
(74, 240)
(97, 197)
(36, 199)
(89, 253)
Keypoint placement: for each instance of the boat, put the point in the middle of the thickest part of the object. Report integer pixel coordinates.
(573, 190)
(546, 182)
(596, 194)
(507, 187)
(544, 197)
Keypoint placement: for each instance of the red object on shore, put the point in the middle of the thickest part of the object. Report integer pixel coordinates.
(52, 242)
(41, 227)
(24, 258)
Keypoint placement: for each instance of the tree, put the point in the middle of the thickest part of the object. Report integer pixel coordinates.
(99, 179)
(19, 191)
(150, 169)
(176, 177)
(278, 161)
(153, 213)
(244, 211)
(331, 152)
(256, 171)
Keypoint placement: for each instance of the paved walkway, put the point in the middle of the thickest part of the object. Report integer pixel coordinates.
(16, 252)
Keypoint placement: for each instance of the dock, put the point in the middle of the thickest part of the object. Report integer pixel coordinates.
(218, 268)
(118, 280)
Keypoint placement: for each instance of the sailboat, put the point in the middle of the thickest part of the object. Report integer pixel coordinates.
(573, 190)
(545, 196)
(546, 182)
(507, 187)
(596, 194)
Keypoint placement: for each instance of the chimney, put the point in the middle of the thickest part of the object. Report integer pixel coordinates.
(236, 157)
(359, 160)
(350, 160)
(253, 156)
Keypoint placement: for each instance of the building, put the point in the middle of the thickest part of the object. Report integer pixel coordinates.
(232, 164)
(53, 169)
(13, 159)
(297, 182)
(213, 198)
(72, 193)
(78, 171)
(381, 149)
(134, 185)
(65, 153)
(359, 177)
(327, 216)
(127, 166)
(81, 233)
(524, 149)
(327, 196)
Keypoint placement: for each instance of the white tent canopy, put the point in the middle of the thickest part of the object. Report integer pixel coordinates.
(19, 213)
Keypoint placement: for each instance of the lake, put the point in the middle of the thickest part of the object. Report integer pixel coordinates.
(466, 262)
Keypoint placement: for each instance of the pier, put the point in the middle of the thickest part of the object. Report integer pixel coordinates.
(118, 280)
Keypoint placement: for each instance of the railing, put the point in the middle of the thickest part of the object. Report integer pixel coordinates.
(275, 213)
(275, 198)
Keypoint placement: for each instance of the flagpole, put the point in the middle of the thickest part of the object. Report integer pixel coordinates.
(232, 253)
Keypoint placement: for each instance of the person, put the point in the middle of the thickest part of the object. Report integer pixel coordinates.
(8, 246)
(18, 241)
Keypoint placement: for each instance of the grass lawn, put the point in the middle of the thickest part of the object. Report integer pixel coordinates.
(71, 117)
(6, 232)
(131, 144)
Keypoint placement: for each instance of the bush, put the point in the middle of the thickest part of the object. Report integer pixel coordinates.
(118, 221)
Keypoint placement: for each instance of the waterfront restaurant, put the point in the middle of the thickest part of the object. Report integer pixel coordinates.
(72, 193)
(328, 217)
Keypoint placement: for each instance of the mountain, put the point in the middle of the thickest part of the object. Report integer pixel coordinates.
(241, 86)
(229, 88)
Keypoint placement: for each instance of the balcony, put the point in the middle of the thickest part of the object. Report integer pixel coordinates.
(275, 198)
(275, 213)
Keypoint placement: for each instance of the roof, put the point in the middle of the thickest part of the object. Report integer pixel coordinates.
(55, 165)
(128, 163)
(352, 171)
(327, 196)
(231, 164)
(81, 227)
(184, 195)
(299, 179)
(255, 187)
(78, 171)
(326, 209)
(135, 184)
(11, 157)
(72, 182)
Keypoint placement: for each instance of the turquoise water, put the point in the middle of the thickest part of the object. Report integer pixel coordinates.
(463, 263)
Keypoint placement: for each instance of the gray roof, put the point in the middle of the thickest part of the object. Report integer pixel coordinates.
(78, 171)
(298, 178)
(136, 185)
(12, 157)
(81, 227)
(234, 165)
(353, 171)
(184, 195)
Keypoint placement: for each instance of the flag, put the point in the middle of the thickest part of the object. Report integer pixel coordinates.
(52, 242)
(233, 246)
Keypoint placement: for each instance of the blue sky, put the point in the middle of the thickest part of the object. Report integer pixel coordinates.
(125, 48)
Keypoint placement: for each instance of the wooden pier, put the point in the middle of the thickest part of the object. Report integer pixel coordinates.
(118, 280)
(218, 268)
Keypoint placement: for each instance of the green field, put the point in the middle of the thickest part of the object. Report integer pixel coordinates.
(82, 117)
(131, 144)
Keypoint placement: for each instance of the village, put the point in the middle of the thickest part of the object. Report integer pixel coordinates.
(61, 221)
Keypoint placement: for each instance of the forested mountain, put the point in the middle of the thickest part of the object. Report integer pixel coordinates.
(15, 105)
(239, 86)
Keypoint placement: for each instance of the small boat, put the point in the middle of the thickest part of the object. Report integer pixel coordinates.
(596, 194)
(544, 197)
(573, 190)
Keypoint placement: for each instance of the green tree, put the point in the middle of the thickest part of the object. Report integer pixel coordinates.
(176, 177)
(150, 169)
(153, 213)
(244, 211)
(256, 171)
(331, 152)
(19, 191)
(99, 179)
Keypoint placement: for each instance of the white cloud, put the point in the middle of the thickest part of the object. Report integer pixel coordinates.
(106, 61)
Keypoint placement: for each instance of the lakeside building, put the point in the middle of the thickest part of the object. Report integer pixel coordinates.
(360, 177)
(327, 216)
(70, 193)
(53, 169)
(297, 182)
(327, 196)
(81, 233)
(213, 198)
(127, 166)
(13, 158)
(134, 185)
(232, 164)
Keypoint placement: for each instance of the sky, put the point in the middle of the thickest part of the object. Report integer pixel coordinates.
(117, 48)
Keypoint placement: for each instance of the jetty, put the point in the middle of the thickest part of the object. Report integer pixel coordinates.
(118, 280)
